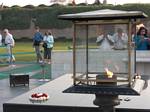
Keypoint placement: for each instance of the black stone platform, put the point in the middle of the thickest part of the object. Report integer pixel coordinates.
(105, 90)
(70, 102)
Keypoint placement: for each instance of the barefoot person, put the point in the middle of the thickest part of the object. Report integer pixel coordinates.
(120, 40)
(1, 40)
(10, 43)
(37, 40)
(48, 45)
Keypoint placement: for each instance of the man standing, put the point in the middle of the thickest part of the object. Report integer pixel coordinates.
(120, 40)
(10, 43)
(37, 39)
(1, 40)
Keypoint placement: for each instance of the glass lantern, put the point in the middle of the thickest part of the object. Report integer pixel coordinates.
(103, 48)
(103, 52)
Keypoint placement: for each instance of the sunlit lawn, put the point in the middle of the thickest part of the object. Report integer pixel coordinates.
(24, 51)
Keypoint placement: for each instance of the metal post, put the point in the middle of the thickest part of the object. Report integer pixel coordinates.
(129, 50)
(87, 48)
(43, 72)
(134, 47)
(74, 55)
(11, 55)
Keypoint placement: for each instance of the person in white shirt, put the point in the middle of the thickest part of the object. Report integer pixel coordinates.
(105, 42)
(49, 41)
(1, 40)
(10, 43)
(120, 40)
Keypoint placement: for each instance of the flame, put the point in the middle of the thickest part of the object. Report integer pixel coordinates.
(109, 73)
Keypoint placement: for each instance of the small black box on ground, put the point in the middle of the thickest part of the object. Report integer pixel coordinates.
(19, 79)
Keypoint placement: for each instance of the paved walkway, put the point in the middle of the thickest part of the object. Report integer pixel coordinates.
(62, 63)
(7, 92)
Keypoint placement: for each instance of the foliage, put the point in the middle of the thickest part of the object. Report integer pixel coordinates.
(15, 6)
(15, 18)
(47, 16)
(29, 7)
(42, 5)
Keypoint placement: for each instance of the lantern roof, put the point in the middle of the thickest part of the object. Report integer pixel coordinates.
(105, 14)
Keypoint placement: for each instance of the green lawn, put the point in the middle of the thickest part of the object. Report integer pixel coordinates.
(24, 51)
(27, 46)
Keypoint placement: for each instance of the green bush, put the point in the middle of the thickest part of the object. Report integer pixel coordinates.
(15, 18)
(47, 16)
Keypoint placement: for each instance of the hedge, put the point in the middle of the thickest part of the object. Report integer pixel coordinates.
(46, 16)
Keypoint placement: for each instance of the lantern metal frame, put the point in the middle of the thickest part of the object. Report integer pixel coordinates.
(85, 84)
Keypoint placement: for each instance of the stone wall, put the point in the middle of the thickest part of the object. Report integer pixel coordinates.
(60, 33)
(28, 33)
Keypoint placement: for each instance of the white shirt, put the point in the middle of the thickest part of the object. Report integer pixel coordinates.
(105, 45)
(120, 43)
(0, 40)
(49, 40)
(9, 40)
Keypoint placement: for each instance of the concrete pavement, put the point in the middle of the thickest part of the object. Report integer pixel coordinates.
(61, 64)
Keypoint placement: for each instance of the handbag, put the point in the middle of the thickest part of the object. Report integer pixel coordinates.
(45, 45)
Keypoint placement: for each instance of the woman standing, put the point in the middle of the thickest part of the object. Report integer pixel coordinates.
(48, 46)
(141, 40)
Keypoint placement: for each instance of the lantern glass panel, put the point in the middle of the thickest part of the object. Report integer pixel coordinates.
(80, 46)
(101, 48)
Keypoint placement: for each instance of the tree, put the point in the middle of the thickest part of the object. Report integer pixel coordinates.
(42, 5)
(15, 6)
(56, 5)
(82, 4)
(97, 2)
(71, 2)
(1, 6)
(29, 7)
(104, 2)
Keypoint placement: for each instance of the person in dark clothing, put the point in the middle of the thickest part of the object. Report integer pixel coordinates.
(37, 40)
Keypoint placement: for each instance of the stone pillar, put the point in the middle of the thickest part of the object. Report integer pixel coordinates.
(106, 102)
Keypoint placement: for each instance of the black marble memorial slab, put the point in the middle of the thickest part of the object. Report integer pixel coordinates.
(71, 102)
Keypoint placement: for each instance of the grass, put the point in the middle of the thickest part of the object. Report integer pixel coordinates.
(26, 47)
(62, 45)
(24, 53)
